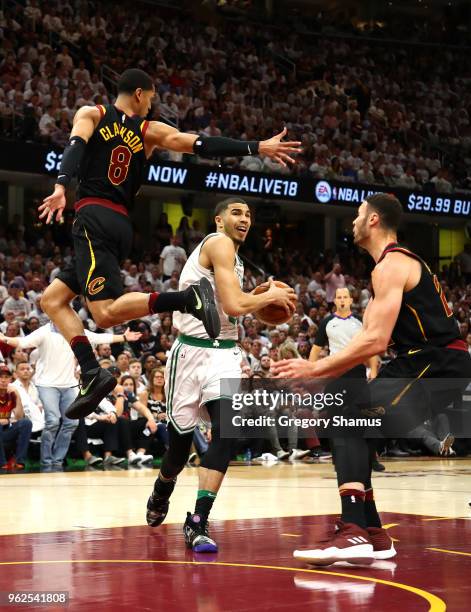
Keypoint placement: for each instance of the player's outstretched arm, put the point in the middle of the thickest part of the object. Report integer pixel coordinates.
(389, 280)
(235, 302)
(160, 135)
(85, 121)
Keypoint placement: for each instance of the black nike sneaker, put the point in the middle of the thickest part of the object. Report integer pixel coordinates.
(196, 535)
(201, 305)
(95, 387)
(157, 506)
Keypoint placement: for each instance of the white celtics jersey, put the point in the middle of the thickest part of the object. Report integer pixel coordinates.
(192, 273)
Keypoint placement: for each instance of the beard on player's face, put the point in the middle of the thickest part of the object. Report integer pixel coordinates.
(361, 228)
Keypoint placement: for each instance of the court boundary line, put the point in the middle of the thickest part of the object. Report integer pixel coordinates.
(450, 552)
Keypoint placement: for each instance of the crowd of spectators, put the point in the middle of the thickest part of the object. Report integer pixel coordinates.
(29, 261)
(373, 112)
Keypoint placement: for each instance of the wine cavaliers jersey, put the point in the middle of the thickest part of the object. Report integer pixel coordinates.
(114, 161)
(425, 319)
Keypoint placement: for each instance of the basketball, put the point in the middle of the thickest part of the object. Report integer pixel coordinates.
(272, 314)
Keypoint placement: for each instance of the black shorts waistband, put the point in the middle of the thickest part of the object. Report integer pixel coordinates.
(119, 208)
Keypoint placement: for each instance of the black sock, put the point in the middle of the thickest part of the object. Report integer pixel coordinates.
(204, 503)
(353, 507)
(371, 514)
(167, 302)
(164, 488)
(84, 354)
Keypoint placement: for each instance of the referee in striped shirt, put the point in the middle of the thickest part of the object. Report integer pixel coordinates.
(335, 332)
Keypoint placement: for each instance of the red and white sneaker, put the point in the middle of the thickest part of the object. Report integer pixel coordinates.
(349, 543)
(383, 546)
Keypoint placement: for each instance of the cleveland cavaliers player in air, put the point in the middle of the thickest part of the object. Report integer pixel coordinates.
(108, 150)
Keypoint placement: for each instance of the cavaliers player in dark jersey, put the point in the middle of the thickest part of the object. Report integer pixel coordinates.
(409, 307)
(108, 149)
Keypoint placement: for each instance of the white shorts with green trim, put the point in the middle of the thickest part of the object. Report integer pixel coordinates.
(195, 368)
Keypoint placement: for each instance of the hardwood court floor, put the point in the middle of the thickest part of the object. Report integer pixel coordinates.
(85, 533)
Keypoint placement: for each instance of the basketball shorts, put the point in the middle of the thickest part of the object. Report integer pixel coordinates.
(415, 386)
(102, 241)
(193, 377)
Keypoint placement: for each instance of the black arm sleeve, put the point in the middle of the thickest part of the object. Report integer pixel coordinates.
(321, 336)
(219, 146)
(71, 159)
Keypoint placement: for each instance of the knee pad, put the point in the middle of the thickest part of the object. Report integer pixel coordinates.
(177, 453)
(220, 450)
(219, 453)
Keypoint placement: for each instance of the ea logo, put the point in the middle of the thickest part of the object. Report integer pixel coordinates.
(323, 191)
(96, 285)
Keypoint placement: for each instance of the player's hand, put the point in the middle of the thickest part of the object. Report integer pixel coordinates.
(283, 296)
(53, 204)
(152, 425)
(293, 368)
(131, 336)
(279, 151)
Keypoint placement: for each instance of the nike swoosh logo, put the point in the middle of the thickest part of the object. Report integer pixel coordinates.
(412, 352)
(199, 305)
(84, 390)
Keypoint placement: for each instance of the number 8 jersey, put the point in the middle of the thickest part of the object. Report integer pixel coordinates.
(114, 162)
